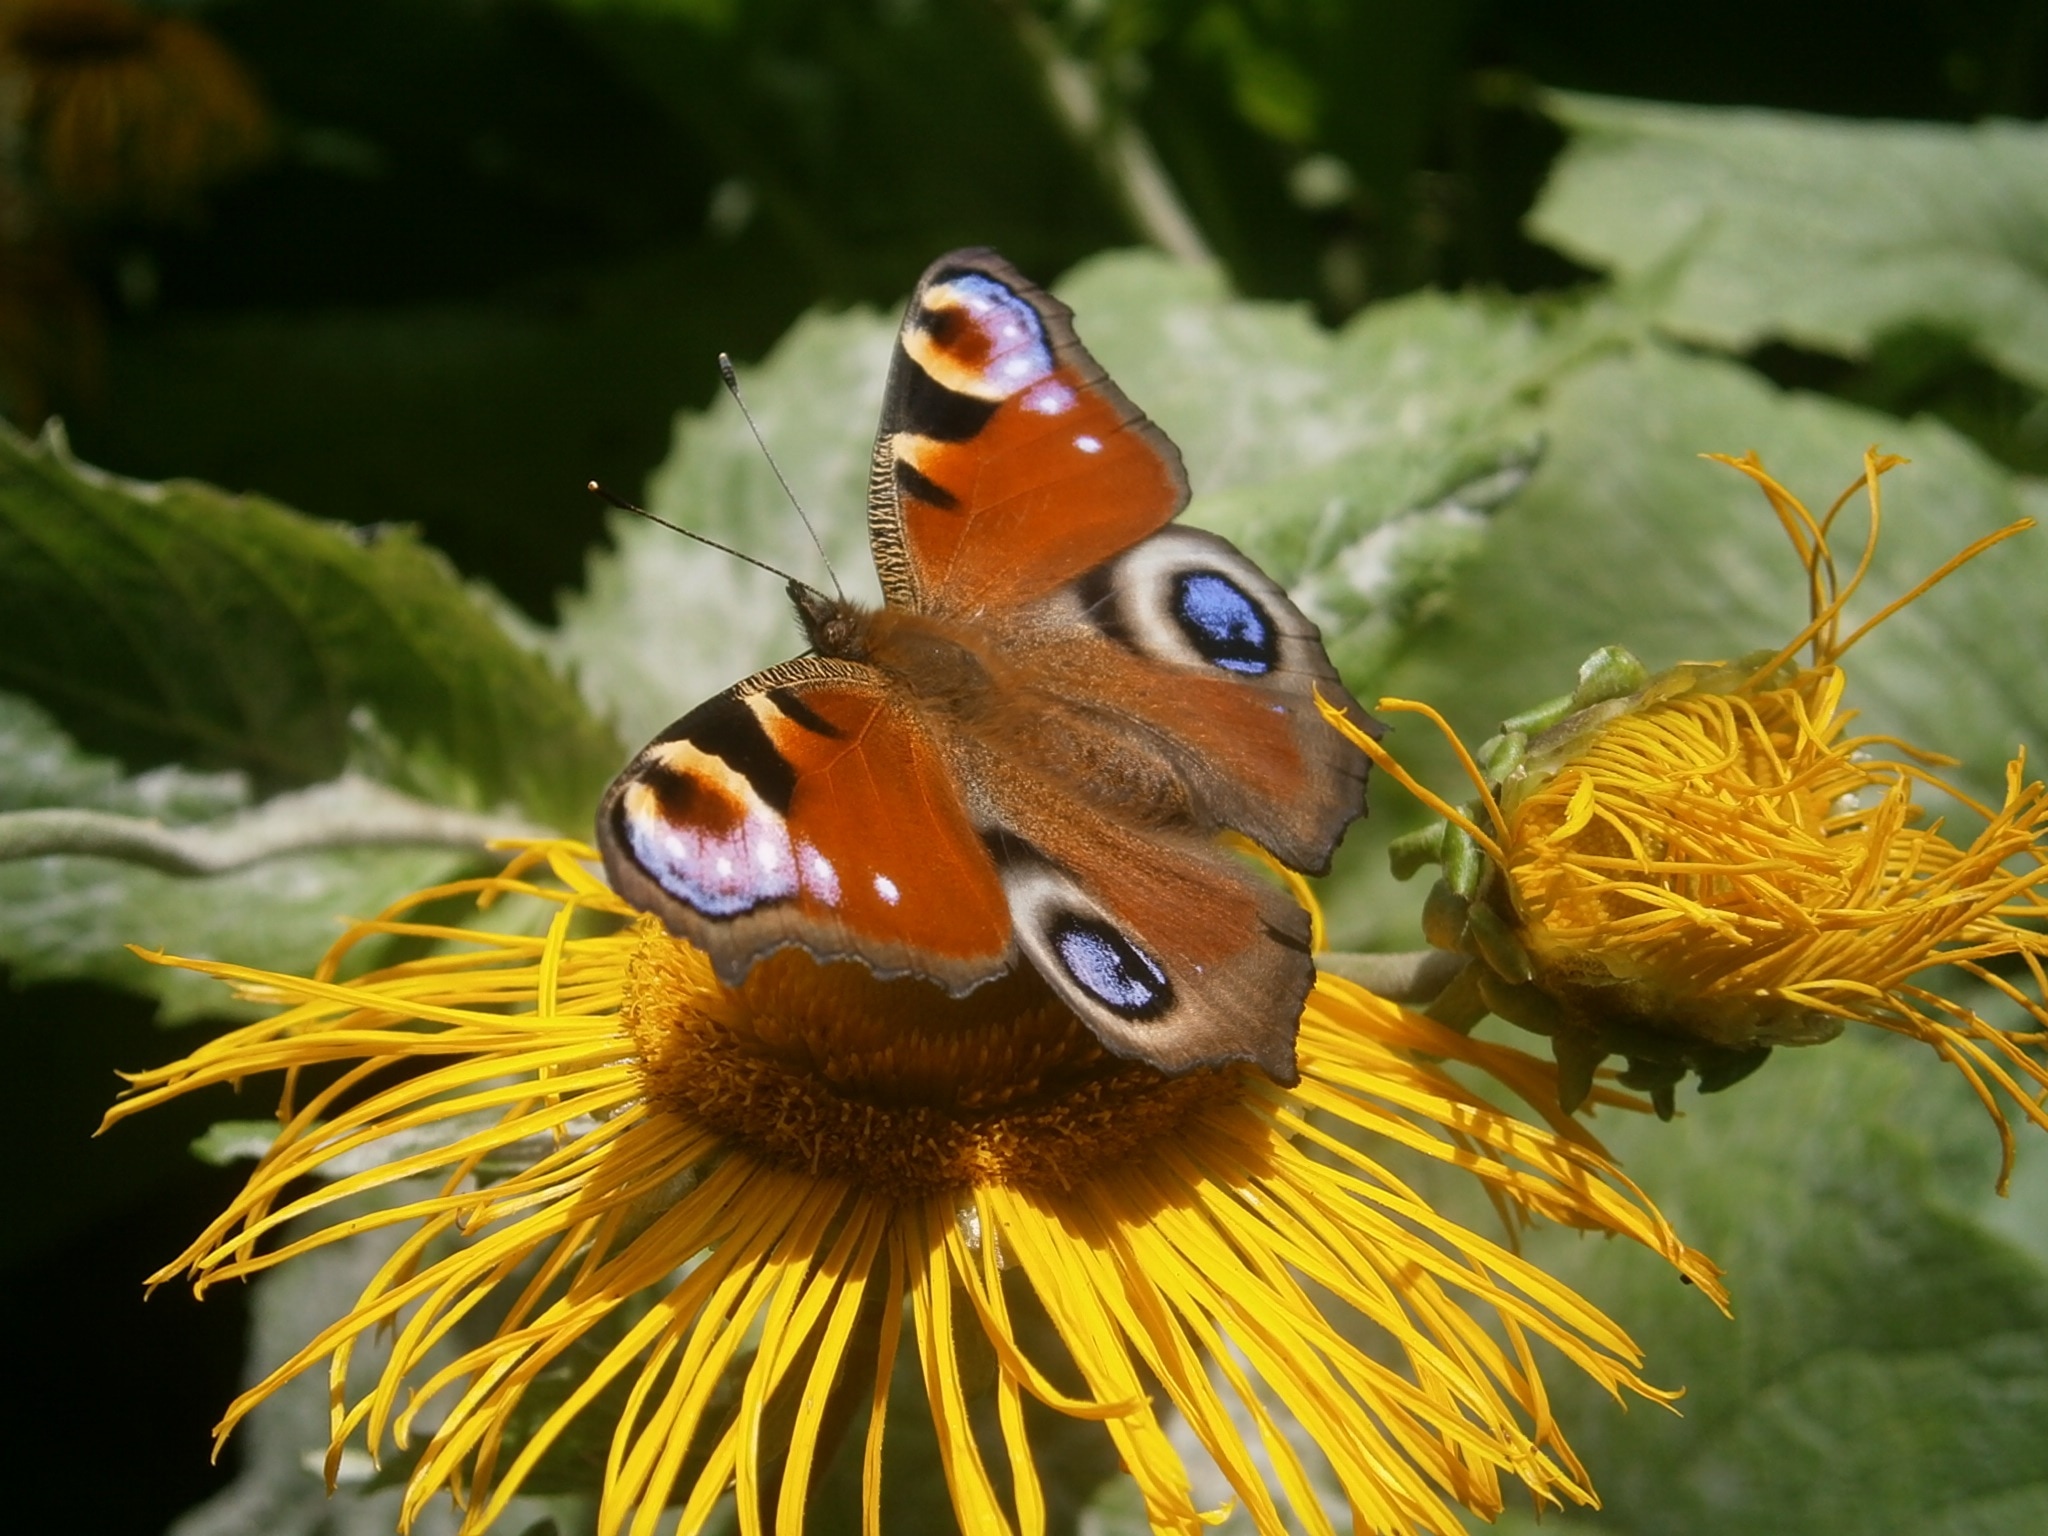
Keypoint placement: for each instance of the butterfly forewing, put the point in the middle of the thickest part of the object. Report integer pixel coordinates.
(808, 805)
(1007, 461)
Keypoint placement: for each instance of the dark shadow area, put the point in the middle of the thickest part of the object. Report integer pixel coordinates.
(496, 247)
(114, 1397)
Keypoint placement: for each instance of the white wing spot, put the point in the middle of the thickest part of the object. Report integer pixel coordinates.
(820, 878)
(1052, 398)
(1088, 444)
(886, 889)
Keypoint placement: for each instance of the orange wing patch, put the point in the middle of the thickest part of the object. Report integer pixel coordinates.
(1007, 461)
(805, 807)
(883, 827)
(1056, 481)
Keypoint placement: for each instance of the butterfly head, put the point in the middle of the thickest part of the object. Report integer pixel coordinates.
(834, 626)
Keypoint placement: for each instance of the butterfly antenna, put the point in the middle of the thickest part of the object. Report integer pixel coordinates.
(661, 522)
(732, 387)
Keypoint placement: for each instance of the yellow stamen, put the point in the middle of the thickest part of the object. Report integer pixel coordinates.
(1385, 762)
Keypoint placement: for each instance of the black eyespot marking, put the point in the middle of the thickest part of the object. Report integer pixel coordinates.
(675, 793)
(797, 712)
(726, 729)
(928, 408)
(918, 486)
(1102, 606)
(1223, 623)
(942, 325)
(1109, 968)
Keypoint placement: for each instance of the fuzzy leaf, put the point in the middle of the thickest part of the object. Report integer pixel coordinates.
(662, 623)
(64, 918)
(177, 624)
(1359, 466)
(1886, 1370)
(1625, 536)
(1736, 227)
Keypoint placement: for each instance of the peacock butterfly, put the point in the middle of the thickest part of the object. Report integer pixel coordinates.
(1035, 745)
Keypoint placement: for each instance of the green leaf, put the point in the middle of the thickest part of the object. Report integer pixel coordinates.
(1362, 466)
(179, 624)
(1401, 404)
(1735, 227)
(74, 918)
(1625, 536)
(662, 622)
(1886, 1370)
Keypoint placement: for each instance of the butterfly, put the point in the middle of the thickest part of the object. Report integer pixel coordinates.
(1033, 749)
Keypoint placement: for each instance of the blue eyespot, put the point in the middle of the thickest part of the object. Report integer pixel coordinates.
(1223, 623)
(1111, 969)
(1019, 355)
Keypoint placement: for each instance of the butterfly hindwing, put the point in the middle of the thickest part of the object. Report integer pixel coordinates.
(1007, 462)
(1171, 949)
(1207, 656)
(809, 806)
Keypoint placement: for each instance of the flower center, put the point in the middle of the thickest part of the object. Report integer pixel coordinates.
(894, 1085)
(1710, 860)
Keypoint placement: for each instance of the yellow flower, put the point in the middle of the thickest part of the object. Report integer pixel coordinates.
(1710, 864)
(731, 1194)
(126, 110)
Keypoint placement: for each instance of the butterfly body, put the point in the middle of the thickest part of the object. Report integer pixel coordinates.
(1012, 709)
(1031, 749)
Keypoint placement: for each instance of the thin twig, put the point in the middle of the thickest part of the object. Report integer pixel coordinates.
(1113, 139)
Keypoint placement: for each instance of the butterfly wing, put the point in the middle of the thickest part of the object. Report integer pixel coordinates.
(1172, 950)
(1205, 658)
(1007, 462)
(1015, 487)
(1015, 484)
(752, 823)
(1169, 945)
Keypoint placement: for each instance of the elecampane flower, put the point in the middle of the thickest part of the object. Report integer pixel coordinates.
(1714, 864)
(125, 109)
(717, 1202)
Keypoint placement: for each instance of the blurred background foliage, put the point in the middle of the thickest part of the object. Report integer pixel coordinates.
(498, 240)
(423, 267)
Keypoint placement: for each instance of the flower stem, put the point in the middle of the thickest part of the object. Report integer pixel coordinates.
(1123, 155)
(1413, 976)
